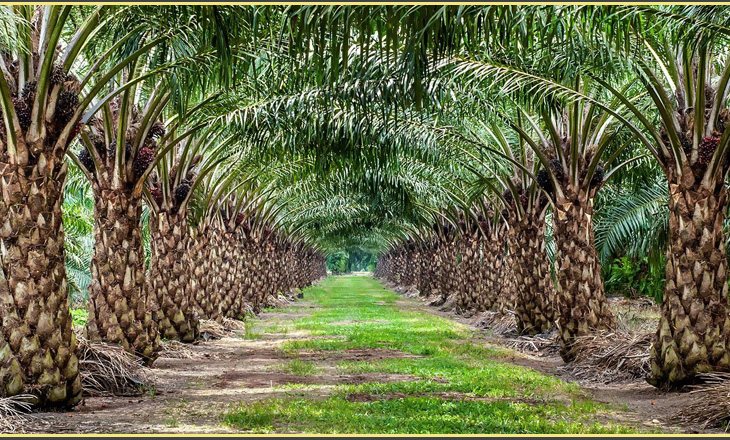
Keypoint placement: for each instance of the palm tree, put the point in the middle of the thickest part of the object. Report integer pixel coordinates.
(173, 179)
(118, 149)
(44, 106)
(684, 72)
(525, 208)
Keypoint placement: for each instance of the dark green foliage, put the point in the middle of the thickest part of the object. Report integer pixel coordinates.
(633, 278)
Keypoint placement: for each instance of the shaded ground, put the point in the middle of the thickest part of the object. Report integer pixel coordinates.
(354, 357)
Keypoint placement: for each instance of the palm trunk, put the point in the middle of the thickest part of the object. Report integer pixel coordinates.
(694, 327)
(37, 343)
(170, 302)
(426, 270)
(582, 305)
(226, 271)
(205, 268)
(491, 271)
(534, 285)
(505, 275)
(117, 306)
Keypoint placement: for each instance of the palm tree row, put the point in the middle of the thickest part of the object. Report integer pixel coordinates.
(591, 108)
(113, 79)
(259, 139)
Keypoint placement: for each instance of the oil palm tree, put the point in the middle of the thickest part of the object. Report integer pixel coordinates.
(49, 86)
(173, 179)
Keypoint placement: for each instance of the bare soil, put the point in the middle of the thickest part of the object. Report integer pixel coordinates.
(190, 394)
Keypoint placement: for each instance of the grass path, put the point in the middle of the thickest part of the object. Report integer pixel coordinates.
(407, 371)
(351, 357)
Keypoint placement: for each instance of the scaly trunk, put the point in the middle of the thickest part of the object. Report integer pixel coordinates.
(581, 302)
(170, 302)
(117, 306)
(694, 327)
(37, 343)
(491, 272)
(505, 282)
(204, 270)
(464, 300)
(534, 286)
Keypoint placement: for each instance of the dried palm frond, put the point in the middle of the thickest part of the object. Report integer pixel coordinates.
(498, 323)
(710, 403)
(277, 302)
(534, 345)
(211, 329)
(175, 350)
(233, 324)
(608, 357)
(14, 415)
(109, 370)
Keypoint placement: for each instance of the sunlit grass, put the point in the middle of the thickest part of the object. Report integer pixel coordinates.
(298, 367)
(413, 415)
(445, 380)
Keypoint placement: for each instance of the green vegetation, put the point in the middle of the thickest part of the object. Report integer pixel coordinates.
(79, 316)
(298, 367)
(353, 260)
(433, 376)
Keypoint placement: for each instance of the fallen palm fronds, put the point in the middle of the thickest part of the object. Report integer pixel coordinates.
(233, 324)
(109, 370)
(211, 329)
(278, 301)
(498, 323)
(534, 345)
(608, 357)
(710, 403)
(14, 417)
(175, 350)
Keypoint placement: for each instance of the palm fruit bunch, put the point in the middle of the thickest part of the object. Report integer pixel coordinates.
(145, 158)
(598, 175)
(706, 150)
(182, 191)
(544, 182)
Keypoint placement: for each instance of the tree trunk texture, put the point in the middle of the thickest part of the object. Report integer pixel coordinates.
(117, 305)
(426, 270)
(535, 300)
(208, 268)
(582, 306)
(469, 295)
(171, 304)
(37, 343)
(507, 288)
(452, 278)
(694, 328)
(491, 272)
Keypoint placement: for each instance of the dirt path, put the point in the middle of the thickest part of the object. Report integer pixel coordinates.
(191, 394)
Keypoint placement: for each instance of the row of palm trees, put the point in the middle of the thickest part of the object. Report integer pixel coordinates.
(324, 128)
(127, 101)
(643, 83)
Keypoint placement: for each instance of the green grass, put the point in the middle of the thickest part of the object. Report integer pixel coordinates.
(249, 332)
(299, 367)
(79, 316)
(453, 383)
